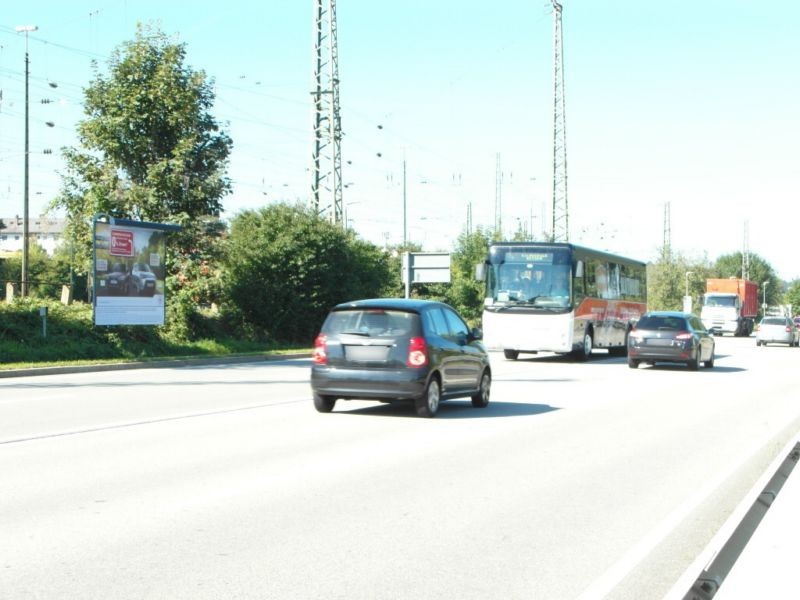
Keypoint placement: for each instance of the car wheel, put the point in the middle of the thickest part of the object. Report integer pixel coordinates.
(709, 364)
(481, 398)
(585, 351)
(427, 404)
(511, 354)
(694, 363)
(324, 404)
(633, 363)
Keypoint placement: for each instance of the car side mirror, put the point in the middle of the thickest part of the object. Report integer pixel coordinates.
(476, 333)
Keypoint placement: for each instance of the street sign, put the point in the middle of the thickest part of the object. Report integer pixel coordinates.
(425, 267)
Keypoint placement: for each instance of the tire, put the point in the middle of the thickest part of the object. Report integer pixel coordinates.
(511, 354)
(324, 404)
(709, 364)
(585, 351)
(633, 363)
(480, 399)
(694, 363)
(428, 404)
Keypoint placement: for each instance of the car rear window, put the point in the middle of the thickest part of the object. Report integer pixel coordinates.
(660, 322)
(773, 321)
(372, 322)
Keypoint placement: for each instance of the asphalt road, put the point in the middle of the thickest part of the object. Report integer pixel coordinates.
(583, 480)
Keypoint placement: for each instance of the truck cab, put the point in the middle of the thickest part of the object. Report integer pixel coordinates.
(729, 306)
(720, 313)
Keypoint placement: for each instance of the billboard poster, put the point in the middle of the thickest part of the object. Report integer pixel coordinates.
(129, 272)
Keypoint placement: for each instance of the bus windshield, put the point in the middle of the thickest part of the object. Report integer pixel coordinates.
(529, 277)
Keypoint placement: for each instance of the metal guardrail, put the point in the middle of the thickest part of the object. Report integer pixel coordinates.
(710, 580)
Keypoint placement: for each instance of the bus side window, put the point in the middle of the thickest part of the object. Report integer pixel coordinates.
(591, 284)
(578, 285)
(613, 281)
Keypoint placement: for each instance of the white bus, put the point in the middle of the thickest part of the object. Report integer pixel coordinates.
(559, 297)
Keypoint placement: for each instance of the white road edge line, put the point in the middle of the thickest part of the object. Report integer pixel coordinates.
(704, 559)
(601, 586)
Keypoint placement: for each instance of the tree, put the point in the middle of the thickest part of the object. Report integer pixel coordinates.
(760, 271)
(466, 293)
(669, 278)
(149, 148)
(792, 296)
(285, 267)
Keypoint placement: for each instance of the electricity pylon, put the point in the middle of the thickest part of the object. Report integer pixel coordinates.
(560, 231)
(326, 161)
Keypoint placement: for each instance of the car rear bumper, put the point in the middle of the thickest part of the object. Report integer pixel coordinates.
(661, 353)
(775, 340)
(376, 384)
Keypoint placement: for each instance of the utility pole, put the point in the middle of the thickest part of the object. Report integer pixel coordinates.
(560, 231)
(26, 29)
(498, 198)
(326, 160)
(405, 208)
(746, 252)
(666, 249)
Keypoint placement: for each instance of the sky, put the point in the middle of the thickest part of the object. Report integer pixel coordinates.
(683, 108)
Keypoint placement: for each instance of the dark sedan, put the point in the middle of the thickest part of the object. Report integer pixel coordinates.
(676, 337)
(117, 281)
(398, 349)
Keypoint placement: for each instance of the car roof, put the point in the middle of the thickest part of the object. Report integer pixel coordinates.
(407, 304)
(667, 313)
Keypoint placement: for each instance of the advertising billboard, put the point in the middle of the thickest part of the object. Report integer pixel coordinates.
(129, 272)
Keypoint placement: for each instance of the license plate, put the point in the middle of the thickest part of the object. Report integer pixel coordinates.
(366, 353)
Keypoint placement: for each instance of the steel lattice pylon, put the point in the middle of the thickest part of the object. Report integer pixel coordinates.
(326, 161)
(560, 232)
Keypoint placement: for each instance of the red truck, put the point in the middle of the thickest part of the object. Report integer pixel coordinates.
(730, 306)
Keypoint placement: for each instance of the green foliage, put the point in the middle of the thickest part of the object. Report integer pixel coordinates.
(197, 279)
(46, 274)
(730, 265)
(792, 296)
(150, 148)
(285, 267)
(667, 279)
(667, 282)
(71, 336)
(465, 293)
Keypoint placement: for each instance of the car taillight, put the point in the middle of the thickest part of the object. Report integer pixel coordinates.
(683, 335)
(320, 354)
(417, 355)
(788, 330)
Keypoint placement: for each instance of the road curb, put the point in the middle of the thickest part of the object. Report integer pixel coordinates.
(150, 364)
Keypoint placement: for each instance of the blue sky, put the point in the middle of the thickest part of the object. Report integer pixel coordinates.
(688, 103)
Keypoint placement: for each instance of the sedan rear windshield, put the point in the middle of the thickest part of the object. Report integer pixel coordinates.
(663, 323)
(774, 321)
(371, 322)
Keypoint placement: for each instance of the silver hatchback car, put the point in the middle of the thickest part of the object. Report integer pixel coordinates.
(777, 330)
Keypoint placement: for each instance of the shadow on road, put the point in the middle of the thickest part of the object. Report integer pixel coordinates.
(450, 409)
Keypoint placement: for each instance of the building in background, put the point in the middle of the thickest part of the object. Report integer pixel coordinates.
(47, 232)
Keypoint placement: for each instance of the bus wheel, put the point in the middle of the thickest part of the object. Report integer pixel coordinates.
(585, 351)
(511, 354)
